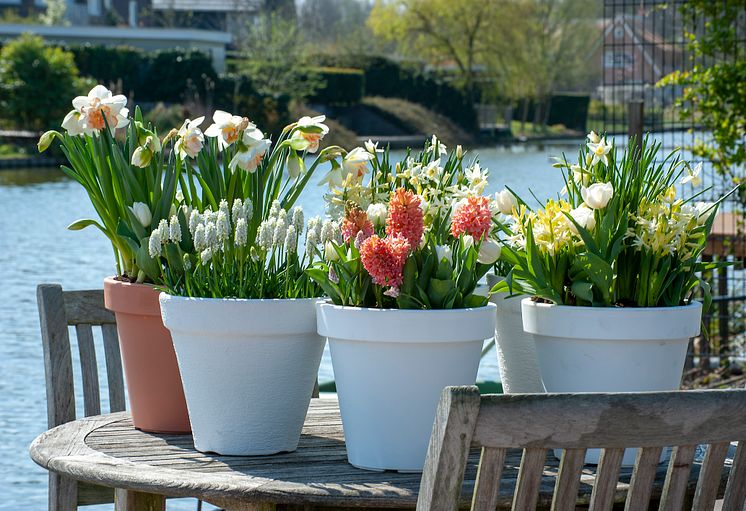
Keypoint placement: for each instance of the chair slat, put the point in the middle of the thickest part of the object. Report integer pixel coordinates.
(709, 477)
(568, 481)
(677, 476)
(448, 450)
(607, 477)
(89, 370)
(58, 364)
(487, 485)
(735, 492)
(643, 476)
(529, 479)
(113, 368)
(87, 307)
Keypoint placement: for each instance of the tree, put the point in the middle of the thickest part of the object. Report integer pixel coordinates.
(338, 26)
(37, 83)
(714, 90)
(444, 32)
(275, 58)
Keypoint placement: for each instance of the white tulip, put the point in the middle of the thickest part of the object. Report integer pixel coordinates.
(330, 253)
(489, 251)
(598, 195)
(468, 241)
(583, 215)
(444, 252)
(704, 211)
(377, 214)
(506, 201)
(142, 213)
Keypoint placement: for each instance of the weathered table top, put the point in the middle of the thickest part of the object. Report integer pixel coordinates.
(107, 450)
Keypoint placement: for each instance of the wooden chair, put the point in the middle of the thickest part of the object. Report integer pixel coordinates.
(574, 422)
(84, 310)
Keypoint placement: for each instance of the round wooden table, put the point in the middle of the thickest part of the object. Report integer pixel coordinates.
(109, 451)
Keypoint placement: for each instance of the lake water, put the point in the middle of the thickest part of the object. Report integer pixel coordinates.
(35, 207)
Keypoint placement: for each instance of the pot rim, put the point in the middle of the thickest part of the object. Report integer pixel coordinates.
(131, 297)
(196, 299)
(529, 301)
(405, 326)
(326, 302)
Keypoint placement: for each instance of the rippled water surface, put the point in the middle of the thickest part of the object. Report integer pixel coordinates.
(35, 207)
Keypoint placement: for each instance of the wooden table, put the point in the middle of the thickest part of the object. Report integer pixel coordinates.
(107, 450)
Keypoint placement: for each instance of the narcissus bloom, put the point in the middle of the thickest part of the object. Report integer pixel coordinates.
(227, 128)
(309, 131)
(190, 138)
(253, 147)
(99, 109)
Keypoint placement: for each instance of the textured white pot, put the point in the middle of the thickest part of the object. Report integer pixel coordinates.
(390, 367)
(516, 353)
(611, 349)
(248, 368)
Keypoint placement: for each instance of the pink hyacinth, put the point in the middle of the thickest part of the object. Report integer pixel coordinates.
(384, 258)
(472, 217)
(405, 217)
(356, 221)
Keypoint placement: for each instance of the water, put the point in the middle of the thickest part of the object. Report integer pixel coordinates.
(35, 207)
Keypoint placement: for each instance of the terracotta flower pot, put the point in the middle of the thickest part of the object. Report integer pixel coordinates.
(156, 395)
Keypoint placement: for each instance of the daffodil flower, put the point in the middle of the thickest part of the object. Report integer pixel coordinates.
(308, 133)
(99, 109)
(600, 150)
(227, 128)
(190, 138)
(692, 175)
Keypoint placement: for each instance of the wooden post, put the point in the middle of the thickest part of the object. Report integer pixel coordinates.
(636, 120)
(723, 317)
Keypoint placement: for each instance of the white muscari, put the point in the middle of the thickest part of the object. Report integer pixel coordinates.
(281, 228)
(241, 232)
(174, 230)
(162, 230)
(291, 240)
(237, 211)
(211, 235)
(200, 241)
(155, 246)
(248, 209)
(223, 226)
(298, 218)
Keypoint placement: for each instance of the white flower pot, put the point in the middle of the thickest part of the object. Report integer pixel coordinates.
(516, 353)
(248, 368)
(390, 367)
(611, 349)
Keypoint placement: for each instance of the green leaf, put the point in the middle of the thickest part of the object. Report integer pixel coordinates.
(583, 290)
(86, 222)
(438, 291)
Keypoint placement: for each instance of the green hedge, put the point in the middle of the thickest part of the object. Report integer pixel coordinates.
(386, 78)
(342, 86)
(570, 110)
(164, 75)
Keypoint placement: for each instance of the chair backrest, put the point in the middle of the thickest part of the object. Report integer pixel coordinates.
(574, 423)
(83, 310)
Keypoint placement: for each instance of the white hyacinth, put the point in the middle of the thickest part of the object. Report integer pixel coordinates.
(281, 228)
(223, 226)
(248, 210)
(266, 232)
(298, 218)
(237, 211)
(291, 240)
(174, 230)
(241, 232)
(195, 219)
(154, 244)
(211, 235)
(200, 242)
(163, 230)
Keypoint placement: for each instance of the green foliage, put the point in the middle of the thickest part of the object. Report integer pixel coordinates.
(342, 86)
(714, 90)
(236, 93)
(37, 83)
(387, 78)
(165, 75)
(640, 246)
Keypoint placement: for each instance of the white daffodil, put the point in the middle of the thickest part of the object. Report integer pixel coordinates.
(333, 178)
(377, 214)
(600, 150)
(190, 138)
(583, 215)
(593, 137)
(99, 109)
(692, 175)
(506, 201)
(579, 175)
(477, 178)
(704, 211)
(489, 251)
(444, 252)
(308, 133)
(436, 146)
(355, 164)
(372, 147)
(143, 154)
(253, 147)
(598, 195)
(142, 213)
(227, 128)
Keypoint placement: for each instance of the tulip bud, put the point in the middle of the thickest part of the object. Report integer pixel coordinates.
(444, 252)
(142, 213)
(330, 253)
(459, 151)
(598, 195)
(45, 140)
(505, 201)
(489, 252)
(467, 241)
